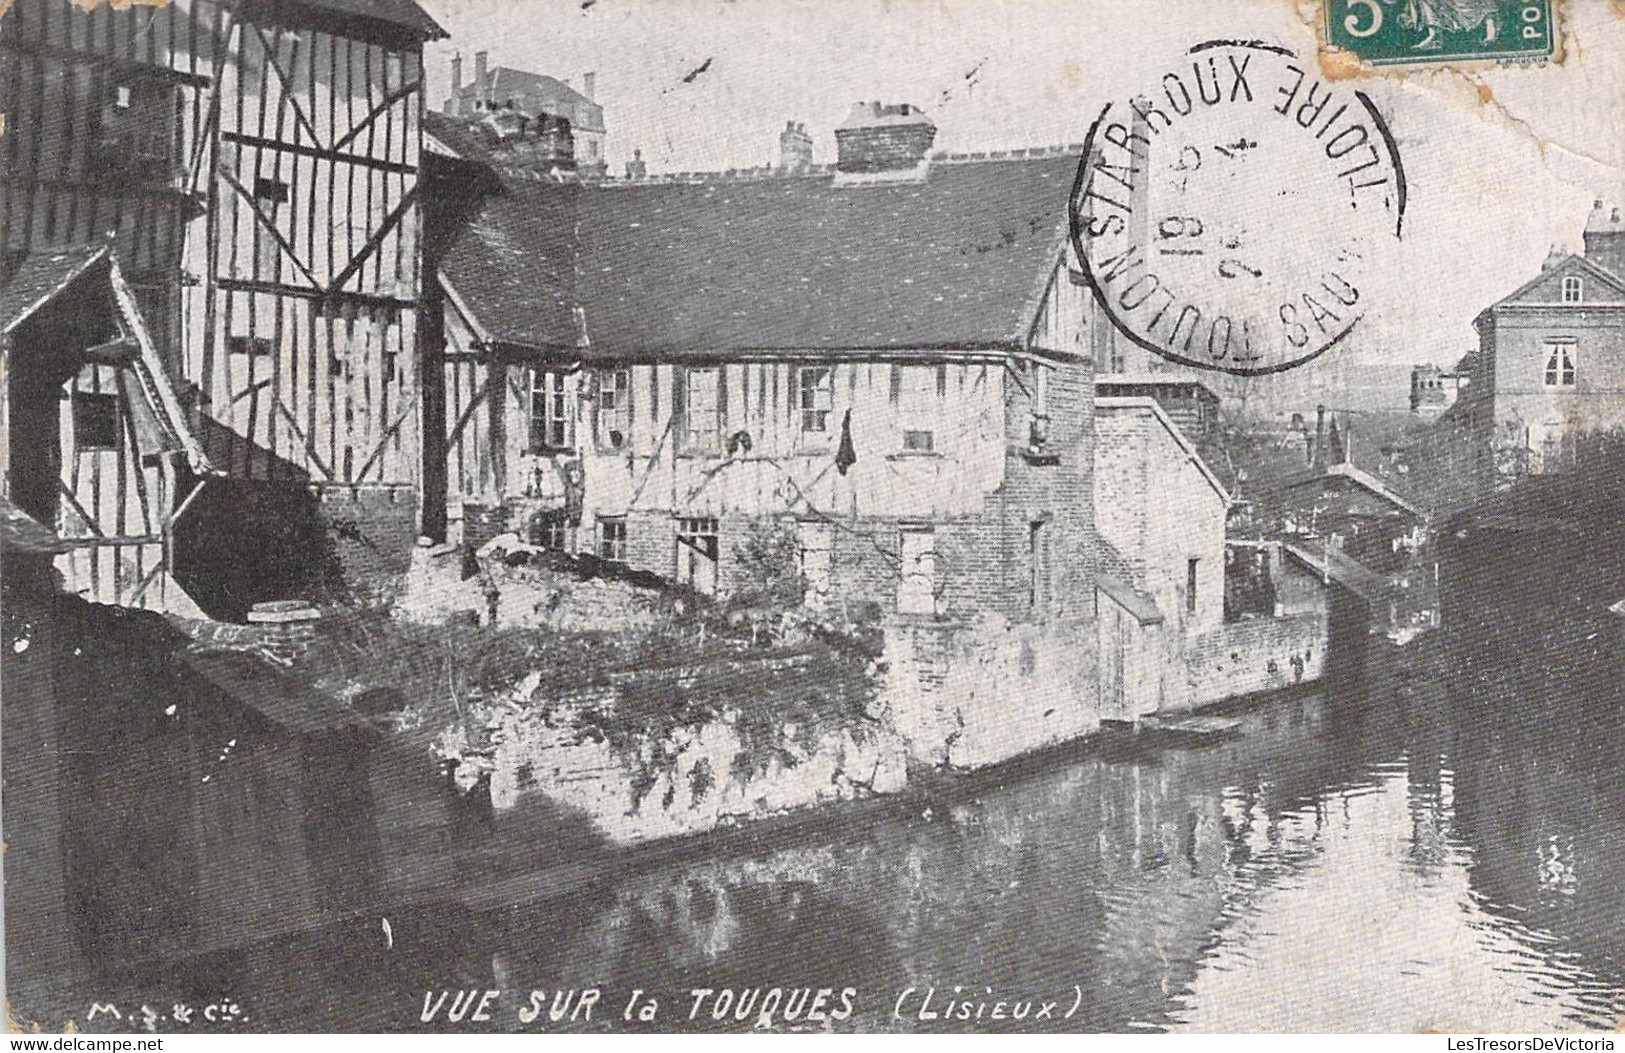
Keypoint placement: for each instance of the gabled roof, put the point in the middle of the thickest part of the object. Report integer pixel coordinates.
(1149, 406)
(1572, 264)
(43, 276)
(1359, 477)
(1333, 564)
(794, 264)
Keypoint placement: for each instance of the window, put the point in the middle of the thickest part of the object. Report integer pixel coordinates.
(1560, 363)
(612, 539)
(614, 408)
(1190, 585)
(1038, 428)
(1038, 592)
(703, 410)
(919, 441)
(815, 393)
(917, 587)
(697, 552)
(1573, 289)
(549, 411)
(551, 530)
(816, 556)
(95, 421)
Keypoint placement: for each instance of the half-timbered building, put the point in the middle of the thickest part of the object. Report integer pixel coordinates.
(251, 164)
(892, 363)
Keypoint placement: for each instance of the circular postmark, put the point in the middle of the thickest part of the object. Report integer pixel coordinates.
(1231, 215)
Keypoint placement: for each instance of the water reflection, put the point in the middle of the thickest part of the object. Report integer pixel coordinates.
(1415, 854)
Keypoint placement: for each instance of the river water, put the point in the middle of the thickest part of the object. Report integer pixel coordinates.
(1418, 851)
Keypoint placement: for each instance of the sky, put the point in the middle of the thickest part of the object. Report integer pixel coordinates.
(1503, 162)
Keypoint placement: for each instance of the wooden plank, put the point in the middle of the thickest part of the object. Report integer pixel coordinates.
(285, 82)
(318, 153)
(395, 217)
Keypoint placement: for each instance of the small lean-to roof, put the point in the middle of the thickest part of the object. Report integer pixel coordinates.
(1335, 565)
(722, 265)
(40, 278)
(45, 275)
(1359, 477)
(20, 532)
(1114, 576)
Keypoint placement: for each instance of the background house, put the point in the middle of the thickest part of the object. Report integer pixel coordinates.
(1551, 361)
(502, 89)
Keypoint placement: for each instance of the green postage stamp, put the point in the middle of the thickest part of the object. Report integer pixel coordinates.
(1392, 32)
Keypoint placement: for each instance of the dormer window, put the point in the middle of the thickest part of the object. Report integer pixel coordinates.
(1573, 290)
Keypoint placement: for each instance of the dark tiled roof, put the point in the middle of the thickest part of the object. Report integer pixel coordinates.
(512, 267)
(669, 269)
(403, 13)
(20, 532)
(40, 276)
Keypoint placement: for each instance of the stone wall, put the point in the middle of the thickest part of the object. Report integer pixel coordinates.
(1256, 654)
(689, 783)
(970, 694)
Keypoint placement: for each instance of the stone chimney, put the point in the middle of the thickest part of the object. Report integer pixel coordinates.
(637, 168)
(1605, 239)
(457, 71)
(876, 139)
(795, 148)
(589, 85)
(482, 87)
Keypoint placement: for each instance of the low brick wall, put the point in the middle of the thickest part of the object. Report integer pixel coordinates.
(1257, 654)
(970, 694)
(434, 589)
(283, 644)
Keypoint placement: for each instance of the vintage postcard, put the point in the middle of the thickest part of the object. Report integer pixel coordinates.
(762, 516)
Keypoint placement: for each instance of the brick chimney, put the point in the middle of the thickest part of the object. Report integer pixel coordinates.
(1605, 239)
(883, 139)
(795, 148)
(589, 85)
(482, 87)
